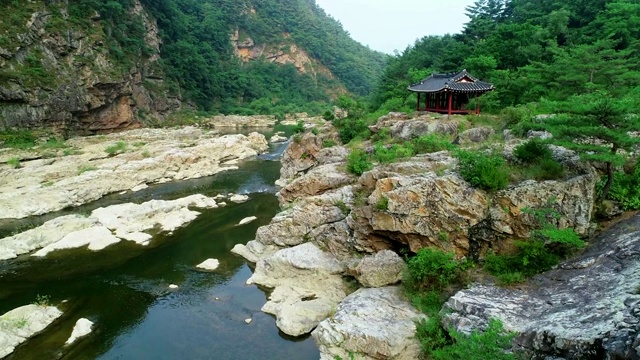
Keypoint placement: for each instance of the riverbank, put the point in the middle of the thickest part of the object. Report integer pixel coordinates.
(87, 168)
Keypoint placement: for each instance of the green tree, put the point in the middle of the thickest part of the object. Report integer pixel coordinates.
(597, 126)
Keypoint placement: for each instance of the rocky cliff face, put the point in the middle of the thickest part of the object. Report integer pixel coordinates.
(60, 75)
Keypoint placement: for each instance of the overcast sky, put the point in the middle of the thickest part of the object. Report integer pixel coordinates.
(388, 25)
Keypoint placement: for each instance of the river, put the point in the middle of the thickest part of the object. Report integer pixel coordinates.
(124, 289)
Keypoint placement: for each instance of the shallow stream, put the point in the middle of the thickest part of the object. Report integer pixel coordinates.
(124, 289)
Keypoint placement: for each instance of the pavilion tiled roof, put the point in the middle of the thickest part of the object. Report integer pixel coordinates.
(451, 82)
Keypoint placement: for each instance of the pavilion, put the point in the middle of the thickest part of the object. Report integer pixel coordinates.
(450, 93)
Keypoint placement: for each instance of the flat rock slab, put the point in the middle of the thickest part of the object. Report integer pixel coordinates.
(588, 308)
(18, 325)
(167, 155)
(374, 323)
(106, 226)
(208, 265)
(82, 328)
(247, 220)
(238, 198)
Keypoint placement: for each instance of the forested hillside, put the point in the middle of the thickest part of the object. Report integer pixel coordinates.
(530, 50)
(93, 65)
(198, 55)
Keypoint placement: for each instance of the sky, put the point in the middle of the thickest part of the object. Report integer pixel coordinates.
(388, 25)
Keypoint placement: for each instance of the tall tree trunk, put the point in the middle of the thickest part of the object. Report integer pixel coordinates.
(607, 185)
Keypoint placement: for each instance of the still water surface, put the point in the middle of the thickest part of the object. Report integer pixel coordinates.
(124, 288)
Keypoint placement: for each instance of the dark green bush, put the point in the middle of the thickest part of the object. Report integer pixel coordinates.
(349, 129)
(484, 171)
(533, 151)
(328, 143)
(431, 269)
(383, 203)
(299, 128)
(358, 162)
(626, 189)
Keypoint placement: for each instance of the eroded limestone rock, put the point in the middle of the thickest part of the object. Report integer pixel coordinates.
(18, 325)
(382, 269)
(373, 323)
(307, 286)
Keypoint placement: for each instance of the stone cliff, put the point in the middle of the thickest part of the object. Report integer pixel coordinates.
(59, 74)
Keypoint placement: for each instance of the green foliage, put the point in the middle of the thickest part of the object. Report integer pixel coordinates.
(544, 249)
(626, 189)
(343, 207)
(85, 168)
(42, 300)
(19, 139)
(383, 203)
(14, 162)
(146, 154)
(358, 162)
(116, 148)
(299, 128)
(54, 143)
(431, 335)
(431, 269)
(431, 143)
(328, 143)
(315, 131)
(484, 171)
(532, 151)
(493, 344)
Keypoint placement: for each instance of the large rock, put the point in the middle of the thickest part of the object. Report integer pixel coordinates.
(315, 182)
(572, 199)
(307, 286)
(588, 308)
(307, 150)
(18, 325)
(476, 135)
(428, 210)
(382, 269)
(402, 128)
(372, 323)
(106, 226)
(165, 155)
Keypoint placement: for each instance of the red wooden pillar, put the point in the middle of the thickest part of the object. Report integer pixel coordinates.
(450, 102)
(418, 104)
(477, 105)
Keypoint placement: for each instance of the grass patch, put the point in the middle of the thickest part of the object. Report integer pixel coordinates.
(383, 203)
(85, 168)
(329, 143)
(18, 139)
(343, 207)
(14, 163)
(431, 143)
(54, 144)
(42, 300)
(139, 143)
(146, 154)
(69, 152)
(116, 148)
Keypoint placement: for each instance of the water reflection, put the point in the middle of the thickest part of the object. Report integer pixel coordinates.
(124, 289)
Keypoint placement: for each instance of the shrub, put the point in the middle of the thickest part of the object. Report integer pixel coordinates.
(431, 143)
(328, 143)
(533, 151)
(315, 131)
(343, 207)
(54, 144)
(626, 188)
(431, 335)
(299, 128)
(358, 162)
(328, 115)
(484, 171)
(542, 251)
(349, 129)
(116, 148)
(431, 269)
(383, 203)
(492, 344)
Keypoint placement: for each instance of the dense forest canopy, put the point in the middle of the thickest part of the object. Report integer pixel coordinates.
(529, 50)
